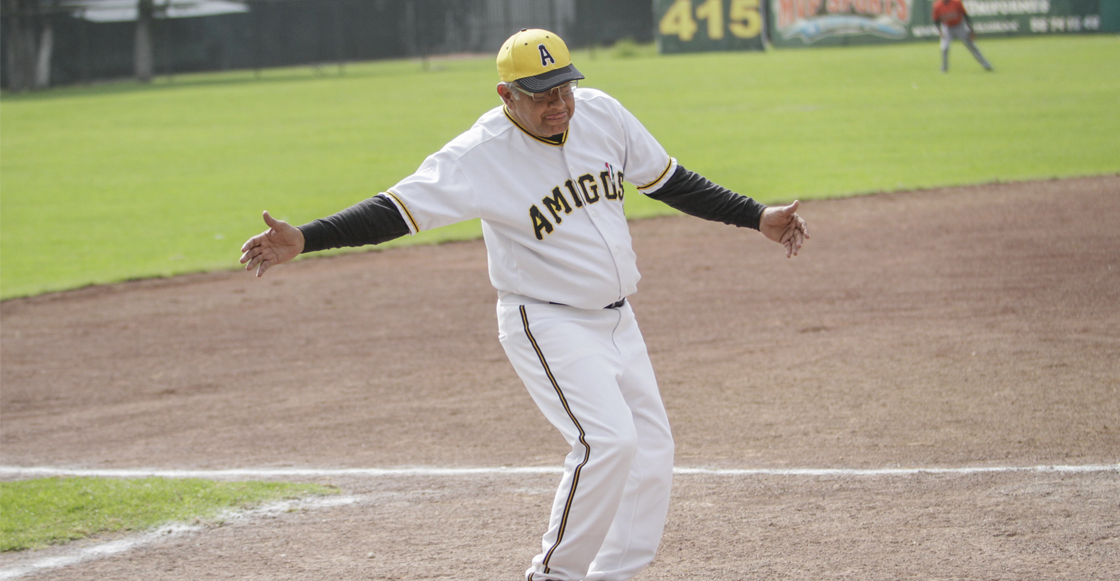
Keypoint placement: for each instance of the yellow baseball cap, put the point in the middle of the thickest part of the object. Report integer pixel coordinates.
(537, 59)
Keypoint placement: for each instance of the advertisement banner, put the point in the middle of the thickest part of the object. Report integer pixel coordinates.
(709, 25)
(796, 23)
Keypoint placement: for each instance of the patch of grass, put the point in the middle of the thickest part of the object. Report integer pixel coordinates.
(114, 182)
(40, 512)
(626, 48)
(820, 123)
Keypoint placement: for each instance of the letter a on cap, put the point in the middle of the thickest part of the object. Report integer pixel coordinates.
(545, 56)
(550, 66)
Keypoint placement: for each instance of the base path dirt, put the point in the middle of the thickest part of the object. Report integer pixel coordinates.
(965, 327)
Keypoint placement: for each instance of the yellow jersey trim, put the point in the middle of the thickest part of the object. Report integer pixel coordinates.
(658, 177)
(563, 138)
(415, 226)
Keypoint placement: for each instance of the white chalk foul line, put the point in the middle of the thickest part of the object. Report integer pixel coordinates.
(31, 471)
(269, 472)
(73, 557)
(82, 554)
(895, 471)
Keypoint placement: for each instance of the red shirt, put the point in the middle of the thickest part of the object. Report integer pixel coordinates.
(949, 12)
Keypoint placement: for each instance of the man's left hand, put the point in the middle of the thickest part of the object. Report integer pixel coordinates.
(782, 225)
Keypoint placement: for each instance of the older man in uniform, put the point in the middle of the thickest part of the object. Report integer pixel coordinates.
(544, 172)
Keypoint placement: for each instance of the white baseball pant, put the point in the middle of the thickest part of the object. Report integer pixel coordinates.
(589, 373)
(962, 33)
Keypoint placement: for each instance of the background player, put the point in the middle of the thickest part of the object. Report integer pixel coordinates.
(953, 22)
(544, 172)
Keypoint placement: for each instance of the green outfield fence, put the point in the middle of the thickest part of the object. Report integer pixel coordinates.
(46, 43)
(90, 40)
(708, 25)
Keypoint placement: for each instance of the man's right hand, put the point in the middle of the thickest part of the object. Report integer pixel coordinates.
(280, 243)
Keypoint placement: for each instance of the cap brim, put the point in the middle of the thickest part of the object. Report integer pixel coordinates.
(546, 81)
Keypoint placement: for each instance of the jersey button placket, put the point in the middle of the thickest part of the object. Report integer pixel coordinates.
(575, 180)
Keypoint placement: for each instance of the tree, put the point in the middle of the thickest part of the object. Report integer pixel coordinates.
(46, 48)
(143, 58)
(22, 17)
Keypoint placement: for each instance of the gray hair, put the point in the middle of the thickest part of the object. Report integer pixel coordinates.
(512, 88)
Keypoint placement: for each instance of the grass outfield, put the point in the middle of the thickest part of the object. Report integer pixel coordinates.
(49, 511)
(119, 181)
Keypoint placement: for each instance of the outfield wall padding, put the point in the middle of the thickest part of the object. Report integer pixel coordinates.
(709, 25)
(799, 23)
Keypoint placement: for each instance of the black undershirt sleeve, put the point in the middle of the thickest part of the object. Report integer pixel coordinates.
(696, 195)
(371, 221)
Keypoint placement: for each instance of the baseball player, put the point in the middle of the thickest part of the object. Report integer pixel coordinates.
(544, 171)
(953, 22)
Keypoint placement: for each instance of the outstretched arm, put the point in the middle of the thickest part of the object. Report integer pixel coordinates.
(280, 243)
(695, 195)
(371, 221)
(698, 196)
(782, 225)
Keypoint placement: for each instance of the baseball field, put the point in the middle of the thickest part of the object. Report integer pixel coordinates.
(929, 391)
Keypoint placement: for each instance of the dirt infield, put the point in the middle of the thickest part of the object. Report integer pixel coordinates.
(965, 327)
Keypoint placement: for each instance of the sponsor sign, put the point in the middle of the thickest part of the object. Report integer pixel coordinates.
(796, 23)
(804, 22)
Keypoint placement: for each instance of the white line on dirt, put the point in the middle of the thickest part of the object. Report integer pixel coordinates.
(79, 555)
(896, 471)
(31, 471)
(72, 556)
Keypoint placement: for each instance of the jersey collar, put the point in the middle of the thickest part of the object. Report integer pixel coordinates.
(563, 137)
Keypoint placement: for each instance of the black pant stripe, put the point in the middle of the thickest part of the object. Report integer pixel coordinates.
(582, 439)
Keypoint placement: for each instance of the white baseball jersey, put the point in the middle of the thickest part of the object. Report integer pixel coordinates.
(552, 213)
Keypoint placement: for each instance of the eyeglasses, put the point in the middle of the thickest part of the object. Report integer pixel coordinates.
(562, 91)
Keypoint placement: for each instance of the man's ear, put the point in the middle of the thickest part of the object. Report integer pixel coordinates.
(504, 93)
